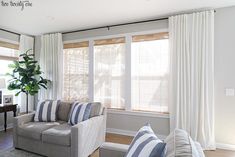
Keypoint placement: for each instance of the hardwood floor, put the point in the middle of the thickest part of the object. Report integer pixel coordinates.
(220, 153)
(6, 142)
(6, 139)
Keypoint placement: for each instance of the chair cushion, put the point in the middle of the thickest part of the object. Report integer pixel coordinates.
(64, 110)
(199, 149)
(179, 143)
(46, 111)
(146, 144)
(34, 129)
(60, 135)
(79, 112)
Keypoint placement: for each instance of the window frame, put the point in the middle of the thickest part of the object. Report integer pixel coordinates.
(128, 77)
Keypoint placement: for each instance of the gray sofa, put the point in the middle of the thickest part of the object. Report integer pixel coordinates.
(59, 139)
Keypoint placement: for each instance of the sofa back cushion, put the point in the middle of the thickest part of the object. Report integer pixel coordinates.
(96, 109)
(179, 143)
(46, 111)
(64, 110)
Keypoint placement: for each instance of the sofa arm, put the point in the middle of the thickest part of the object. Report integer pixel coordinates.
(87, 136)
(113, 150)
(20, 120)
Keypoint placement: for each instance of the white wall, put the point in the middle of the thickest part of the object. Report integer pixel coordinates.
(129, 123)
(157, 25)
(224, 75)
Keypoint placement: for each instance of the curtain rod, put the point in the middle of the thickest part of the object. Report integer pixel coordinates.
(9, 31)
(116, 25)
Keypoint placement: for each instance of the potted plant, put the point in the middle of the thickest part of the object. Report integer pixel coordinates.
(26, 76)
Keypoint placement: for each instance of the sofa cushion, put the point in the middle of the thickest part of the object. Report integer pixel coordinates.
(179, 143)
(96, 109)
(64, 110)
(79, 112)
(34, 129)
(146, 144)
(60, 135)
(46, 111)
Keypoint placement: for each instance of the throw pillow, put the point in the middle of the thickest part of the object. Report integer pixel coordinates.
(179, 143)
(146, 144)
(80, 112)
(46, 111)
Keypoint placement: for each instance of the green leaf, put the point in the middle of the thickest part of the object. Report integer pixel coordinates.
(11, 66)
(28, 51)
(17, 93)
(43, 86)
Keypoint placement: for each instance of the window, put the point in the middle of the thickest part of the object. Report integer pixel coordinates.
(150, 72)
(145, 87)
(76, 68)
(109, 69)
(8, 53)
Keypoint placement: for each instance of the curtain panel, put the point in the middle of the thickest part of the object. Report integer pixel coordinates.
(51, 62)
(26, 43)
(192, 81)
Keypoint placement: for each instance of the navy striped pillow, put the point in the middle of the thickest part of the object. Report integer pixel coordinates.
(46, 111)
(80, 112)
(146, 144)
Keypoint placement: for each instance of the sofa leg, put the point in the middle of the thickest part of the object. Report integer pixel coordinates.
(18, 148)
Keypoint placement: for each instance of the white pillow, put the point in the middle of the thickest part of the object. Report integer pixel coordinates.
(199, 149)
(146, 144)
(46, 111)
(179, 143)
(79, 112)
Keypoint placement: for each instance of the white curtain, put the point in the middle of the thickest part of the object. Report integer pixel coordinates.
(192, 81)
(51, 62)
(26, 43)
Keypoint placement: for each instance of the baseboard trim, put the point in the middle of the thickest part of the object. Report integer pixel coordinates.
(225, 146)
(9, 126)
(128, 132)
(120, 132)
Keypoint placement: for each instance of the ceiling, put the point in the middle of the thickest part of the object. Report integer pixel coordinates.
(47, 16)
